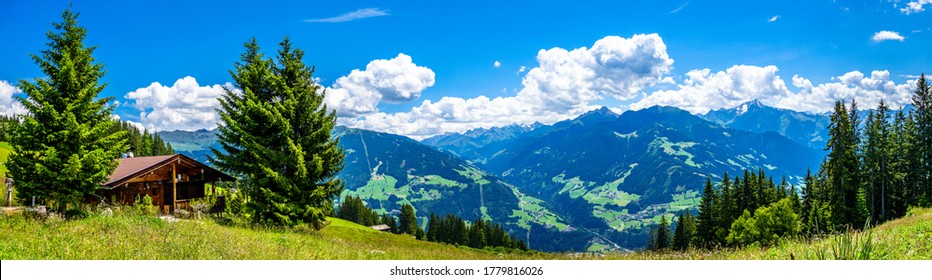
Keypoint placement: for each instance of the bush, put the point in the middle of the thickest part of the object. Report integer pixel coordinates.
(75, 213)
(201, 205)
(234, 204)
(768, 224)
(143, 205)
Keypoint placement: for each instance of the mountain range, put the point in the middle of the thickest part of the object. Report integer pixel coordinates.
(593, 183)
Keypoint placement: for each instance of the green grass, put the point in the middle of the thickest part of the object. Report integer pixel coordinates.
(531, 210)
(907, 238)
(475, 174)
(378, 188)
(685, 200)
(124, 236)
(437, 180)
(5, 150)
(677, 149)
(574, 186)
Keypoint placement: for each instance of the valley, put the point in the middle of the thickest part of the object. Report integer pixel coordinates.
(595, 183)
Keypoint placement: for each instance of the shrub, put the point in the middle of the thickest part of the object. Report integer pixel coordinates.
(768, 224)
(143, 205)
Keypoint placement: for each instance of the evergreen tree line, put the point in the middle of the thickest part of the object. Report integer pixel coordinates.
(354, 210)
(452, 229)
(142, 143)
(873, 173)
(877, 167)
(449, 229)
(740, 211)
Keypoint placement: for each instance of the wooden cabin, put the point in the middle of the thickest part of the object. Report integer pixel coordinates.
(172, 181)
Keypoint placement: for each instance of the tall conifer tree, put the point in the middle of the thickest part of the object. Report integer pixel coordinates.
(65, 146)
(276, 133)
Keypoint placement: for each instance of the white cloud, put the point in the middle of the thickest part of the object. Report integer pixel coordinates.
(852, 85)
(521, 69)
(613, 66)
(915, 6)
(395, 80)
(703, 90)
(561, 86)
(354, 15)
(887, 35)
(8, 105)
(774, 18)
(183, 106)
(497, 64)
(680, 8)
(455, 114)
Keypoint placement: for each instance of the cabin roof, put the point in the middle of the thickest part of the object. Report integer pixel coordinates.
(381, 227)
(130, 168)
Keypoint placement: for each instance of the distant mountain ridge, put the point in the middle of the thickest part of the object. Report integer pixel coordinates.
(474, 144)
(805, 128)
(595, 182)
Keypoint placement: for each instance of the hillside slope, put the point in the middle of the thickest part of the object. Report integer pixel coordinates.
(149, 238)
(617, 174)
(387, 170)
(137, 237)
(906, 238)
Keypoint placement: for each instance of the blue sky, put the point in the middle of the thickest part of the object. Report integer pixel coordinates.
(432, 64)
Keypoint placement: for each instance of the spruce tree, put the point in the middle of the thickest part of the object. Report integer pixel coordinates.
(684, 232)
(407, 221)
(275, 132)
(663, 234)
(807, 200)
(706, 218)
(477, 234)
(843, 165)
(65, 147)
(922, 118)
(652, 239)
(725, 209)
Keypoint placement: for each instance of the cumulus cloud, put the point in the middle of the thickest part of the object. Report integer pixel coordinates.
(852, 85)
(703, 90)
(563, 85)
(8, 105)
(774, 18)
(185, 105)
(497, 64)
(354, 15)
(915, 6)
(887, 36)
(454, 114)
(395, 80)
(614, 66)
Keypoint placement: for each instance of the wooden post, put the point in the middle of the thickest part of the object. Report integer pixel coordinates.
(174, 187)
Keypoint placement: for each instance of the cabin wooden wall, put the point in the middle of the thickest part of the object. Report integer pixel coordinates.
(126, 195)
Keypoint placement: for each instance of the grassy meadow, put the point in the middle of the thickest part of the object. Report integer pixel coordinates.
(129, 236)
